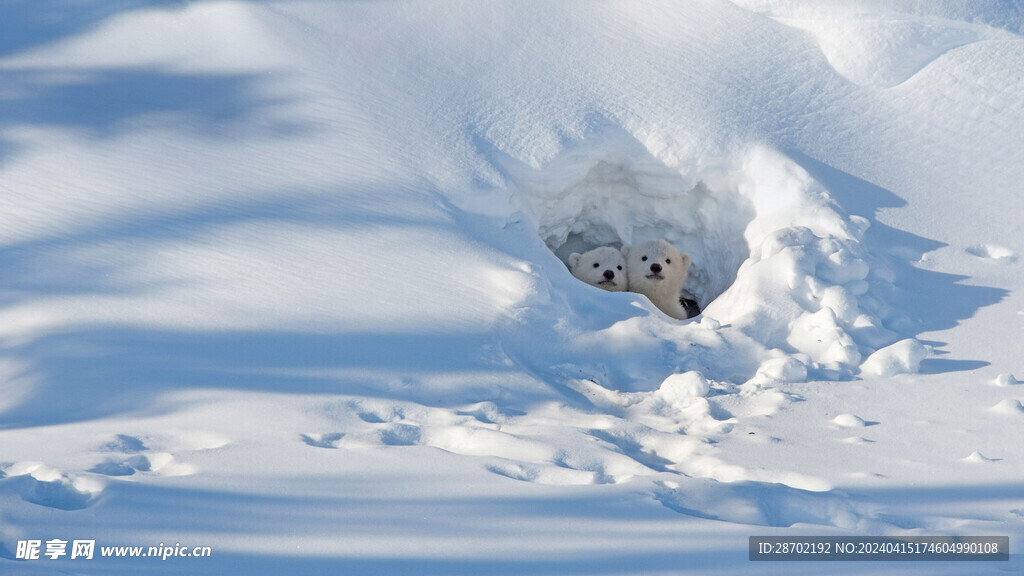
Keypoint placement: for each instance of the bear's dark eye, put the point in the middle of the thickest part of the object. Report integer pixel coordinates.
(619, 267)
(596, 265)
(667, 261)
(644, 259)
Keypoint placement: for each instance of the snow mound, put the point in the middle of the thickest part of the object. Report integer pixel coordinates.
(780, 370)
(886, 52)
(977, 457)
(884, 48)
(774, 257)
(1005, 379)
(903, 357)
(1008, 406)
(682, 389)
(849, 421)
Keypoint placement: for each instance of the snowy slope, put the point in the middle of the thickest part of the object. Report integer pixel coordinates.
(286, 279)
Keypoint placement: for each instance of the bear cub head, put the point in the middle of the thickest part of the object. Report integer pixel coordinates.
(654, 264)
(604, 267)
(658, 270)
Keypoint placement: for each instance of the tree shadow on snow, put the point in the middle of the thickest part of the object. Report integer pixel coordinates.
(361, 524)
(98, 101)
(29, 24)
(931, 300)
(86, 371)
(105, 372)
(471, 534)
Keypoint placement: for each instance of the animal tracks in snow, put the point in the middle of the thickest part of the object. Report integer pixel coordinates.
(400, 435)
(122, 457)
(155, 455)
(130, 454)
(40, 484)
(667, 437)
(325, 440)
(757, 503)
(993, 252)
(125, 444)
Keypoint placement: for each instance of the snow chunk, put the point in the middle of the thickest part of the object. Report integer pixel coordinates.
(681, 390)
(776, 370)
(849, 421)
(1005, 379)
(1008, 406)
(710, 323)
(903, 357)
(979, 458)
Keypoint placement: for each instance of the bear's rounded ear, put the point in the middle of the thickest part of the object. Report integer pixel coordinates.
(574, 259)
(687, 260)
(625, 251)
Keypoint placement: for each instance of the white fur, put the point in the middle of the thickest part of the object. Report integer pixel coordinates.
(663, 288)
(596, 266)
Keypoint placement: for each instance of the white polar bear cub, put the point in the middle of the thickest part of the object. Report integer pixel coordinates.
(658, 270)
(604, 267)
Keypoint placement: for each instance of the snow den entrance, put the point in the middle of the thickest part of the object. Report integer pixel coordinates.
(614, 192)
(616, 203)
(773, 255)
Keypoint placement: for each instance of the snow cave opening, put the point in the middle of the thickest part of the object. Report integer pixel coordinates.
(618, 193)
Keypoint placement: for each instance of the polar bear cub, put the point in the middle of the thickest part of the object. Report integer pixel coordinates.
(658, 270)
(604, 267)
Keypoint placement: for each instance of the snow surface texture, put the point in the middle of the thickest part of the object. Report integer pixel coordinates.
(288, 279)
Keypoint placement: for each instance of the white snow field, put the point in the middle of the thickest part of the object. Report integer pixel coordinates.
(287, 280)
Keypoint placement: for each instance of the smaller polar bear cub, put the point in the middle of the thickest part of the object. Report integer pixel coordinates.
(658, 270)
(604, 267)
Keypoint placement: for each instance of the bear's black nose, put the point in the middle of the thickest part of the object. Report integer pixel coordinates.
(656, 268)
(609, 274)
